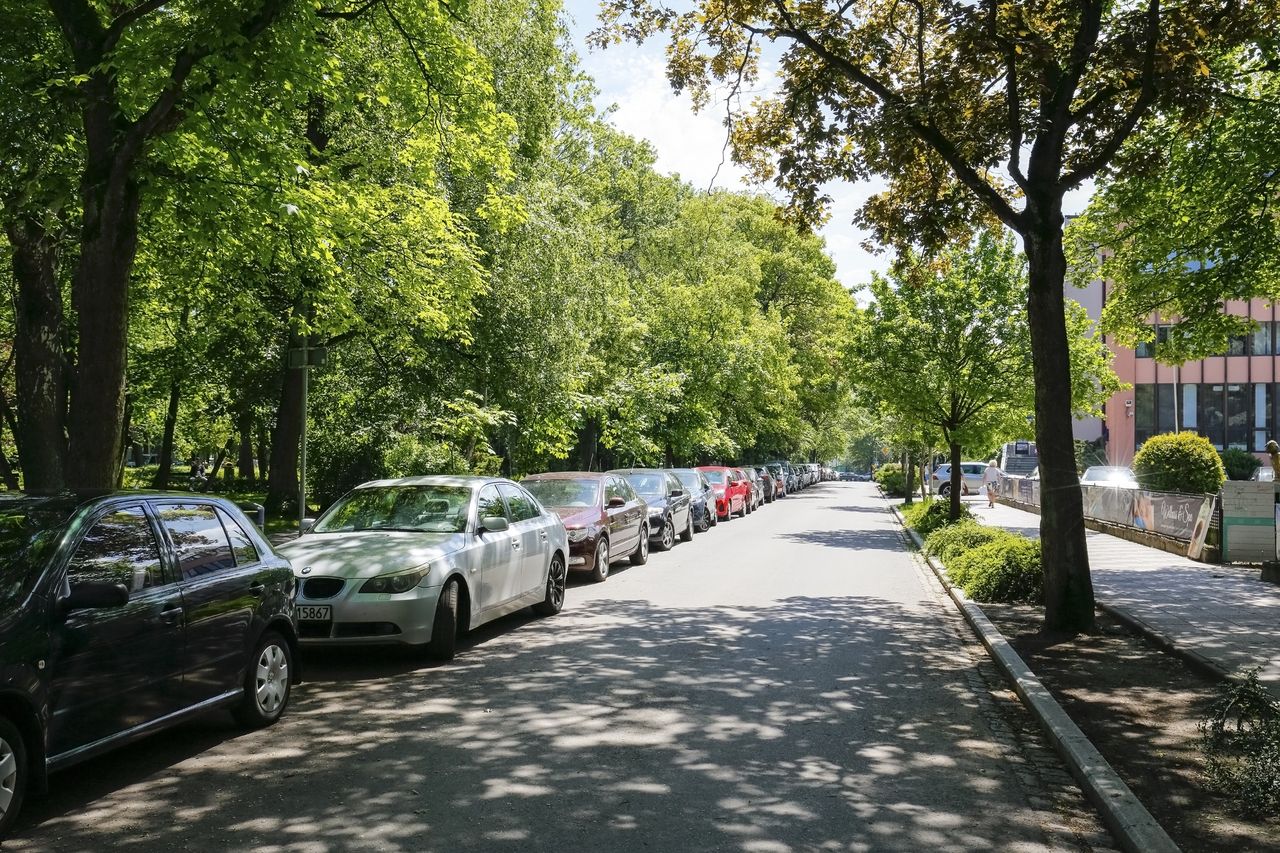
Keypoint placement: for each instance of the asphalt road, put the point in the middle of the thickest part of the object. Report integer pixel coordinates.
(791, 681)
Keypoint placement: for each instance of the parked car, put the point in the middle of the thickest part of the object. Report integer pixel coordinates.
(768, 484)
(420, 561)
(1109, 475)
(604, 518)
(970, 478)
(778, 470)
(670, 506)
(732, 492)
(757, 490)
(1264, 474)
(702, 496)
(124, 614)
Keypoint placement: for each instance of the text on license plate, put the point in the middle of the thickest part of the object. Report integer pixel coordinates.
(312, 613)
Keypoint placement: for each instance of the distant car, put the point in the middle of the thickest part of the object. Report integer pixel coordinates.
(1109, 475)
(128, 613)
(768, 483)
(1264, 474)
(970, 478)
(848, 477)
(732, 492)
(670, 507)
(604, 519)
(419, 561)
(778, 471)
(702, 496)
(757, 488)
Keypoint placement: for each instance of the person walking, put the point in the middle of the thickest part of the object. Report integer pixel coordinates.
(991, 482)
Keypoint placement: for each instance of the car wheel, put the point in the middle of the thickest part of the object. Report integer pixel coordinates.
(687, 535)
(704, 521)
(601, 571)
(742, 513)
(553, 602)
(444, 630)
(667, 538)
(640, 555)
(13, 774)
(944, 490)
(266, 683)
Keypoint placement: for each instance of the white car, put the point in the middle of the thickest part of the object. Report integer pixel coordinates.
(970, 478)
(1109, 475)
(419, 561)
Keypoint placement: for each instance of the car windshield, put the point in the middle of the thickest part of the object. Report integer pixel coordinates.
(29, 532)
(418, 509)
(1107, 474)
(557, 492)
(690, 480)
(717, 477)
(649, 485)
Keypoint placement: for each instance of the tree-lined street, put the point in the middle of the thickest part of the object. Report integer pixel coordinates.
(791, 681)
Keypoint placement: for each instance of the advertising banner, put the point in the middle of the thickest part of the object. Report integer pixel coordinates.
(1170, 514)
(1109, 503)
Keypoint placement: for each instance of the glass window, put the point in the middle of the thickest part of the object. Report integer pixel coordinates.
(717, 476)
(1211, 418)
(1238, 345)
(489, 503)
(1262, 414)
(1188, 410)
(1165, 421)
(613, 489)
(649, 485)
(1144, 412)
(418, 509)
(241, 545)
(565, 493)
(1239, 417)
(1260, 342)
(198, 539)
(522, 506)
(119, 548)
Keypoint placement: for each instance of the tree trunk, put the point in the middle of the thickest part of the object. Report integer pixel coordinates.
(956, 490)
(1068, 587)
(40, 363)
(100, 294)
(908, 474)
(165, 469)
(244, 464)
(264, 453)
(282, 487)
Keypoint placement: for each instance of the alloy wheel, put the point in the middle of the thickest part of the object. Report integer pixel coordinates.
(602, 559)
(556, 577)
(8, 776)
(272, 679)
(668, 535)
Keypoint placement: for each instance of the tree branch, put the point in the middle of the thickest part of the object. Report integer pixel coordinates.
(122, 21)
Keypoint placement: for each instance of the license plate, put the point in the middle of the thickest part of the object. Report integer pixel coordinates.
(312, 613)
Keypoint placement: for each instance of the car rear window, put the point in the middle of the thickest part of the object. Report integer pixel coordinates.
(565, 493)
(716, 476)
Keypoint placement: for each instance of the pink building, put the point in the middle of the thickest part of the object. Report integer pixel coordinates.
(1231, 399)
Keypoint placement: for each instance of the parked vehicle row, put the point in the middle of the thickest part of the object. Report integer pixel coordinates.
(124, 614)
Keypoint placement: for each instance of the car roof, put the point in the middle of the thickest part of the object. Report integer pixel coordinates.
(434, 480)
(568, 475)
(72, 500)
(625, 471)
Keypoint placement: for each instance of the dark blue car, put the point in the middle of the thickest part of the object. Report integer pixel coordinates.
(127, 613)
(670, 507)
(702, 496)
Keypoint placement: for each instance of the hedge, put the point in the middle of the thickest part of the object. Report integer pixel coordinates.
(1179, 462)
(952, 540)
(1006, 570)
(928, 516)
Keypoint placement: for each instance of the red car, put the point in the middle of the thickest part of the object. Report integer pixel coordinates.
(605, 519)
(733, 491)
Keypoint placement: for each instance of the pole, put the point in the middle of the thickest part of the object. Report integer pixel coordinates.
(302, 456)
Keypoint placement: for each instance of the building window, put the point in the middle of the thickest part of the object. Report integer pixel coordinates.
(1238, 345)
(1144, 413)
(1239, 401)
(1262, 414)
(1261, 341)
(1147, 349)
(1210, 416)
(1188, 409)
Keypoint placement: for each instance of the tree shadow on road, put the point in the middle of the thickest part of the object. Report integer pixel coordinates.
(813, 724)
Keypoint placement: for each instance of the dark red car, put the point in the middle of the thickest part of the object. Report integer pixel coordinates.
(605, 519)
(733, 492)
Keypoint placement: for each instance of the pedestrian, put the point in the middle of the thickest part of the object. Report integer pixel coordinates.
(991, 480)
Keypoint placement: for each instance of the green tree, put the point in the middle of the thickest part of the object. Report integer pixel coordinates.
(937, 96)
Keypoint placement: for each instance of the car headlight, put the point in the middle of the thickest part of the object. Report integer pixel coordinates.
(396, 582)
(576, 534)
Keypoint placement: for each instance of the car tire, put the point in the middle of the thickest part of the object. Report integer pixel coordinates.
(687, 534)
(667, 538)
(444, 629)
(14, 774)
(600, 573)
(704, 523)
(267, 682)
(640, 555)
(553, 602)
(944, 490)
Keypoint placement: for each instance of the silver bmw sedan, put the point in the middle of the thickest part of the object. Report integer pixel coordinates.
(419, 561)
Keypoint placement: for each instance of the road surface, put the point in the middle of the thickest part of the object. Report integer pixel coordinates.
(791, 681)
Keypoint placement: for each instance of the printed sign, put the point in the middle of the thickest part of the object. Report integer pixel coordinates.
(1201, 529)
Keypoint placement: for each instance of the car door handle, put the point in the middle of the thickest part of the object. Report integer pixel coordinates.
(257, 589)
(171, 613)
(515, 544)
(542, 533)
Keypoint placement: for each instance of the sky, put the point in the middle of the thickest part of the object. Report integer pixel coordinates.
(632, 79)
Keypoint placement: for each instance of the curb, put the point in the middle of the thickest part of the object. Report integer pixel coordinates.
(1167, 644)
(1122, 813)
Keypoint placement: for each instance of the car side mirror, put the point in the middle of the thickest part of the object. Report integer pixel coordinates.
(96, 596)
(494, 524)
(675, 493)
(617, 501)
(306, 525)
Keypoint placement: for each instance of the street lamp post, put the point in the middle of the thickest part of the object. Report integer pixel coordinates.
(304, 358)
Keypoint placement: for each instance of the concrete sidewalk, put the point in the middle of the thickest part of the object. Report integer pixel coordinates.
(1223, 615)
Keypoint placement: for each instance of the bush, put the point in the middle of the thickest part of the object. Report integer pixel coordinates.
(1005, 570)
(1241, 744)
(948, 542)
(1179, 462)
(892, 480)
(1239, 464)
(930, 515)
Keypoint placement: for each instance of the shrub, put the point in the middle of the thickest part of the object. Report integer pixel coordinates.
(1241, 745)
(1005, 570)
(930, 515)
(1239, 464)
(948, 542)
(1179, 462)
(892, 480)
